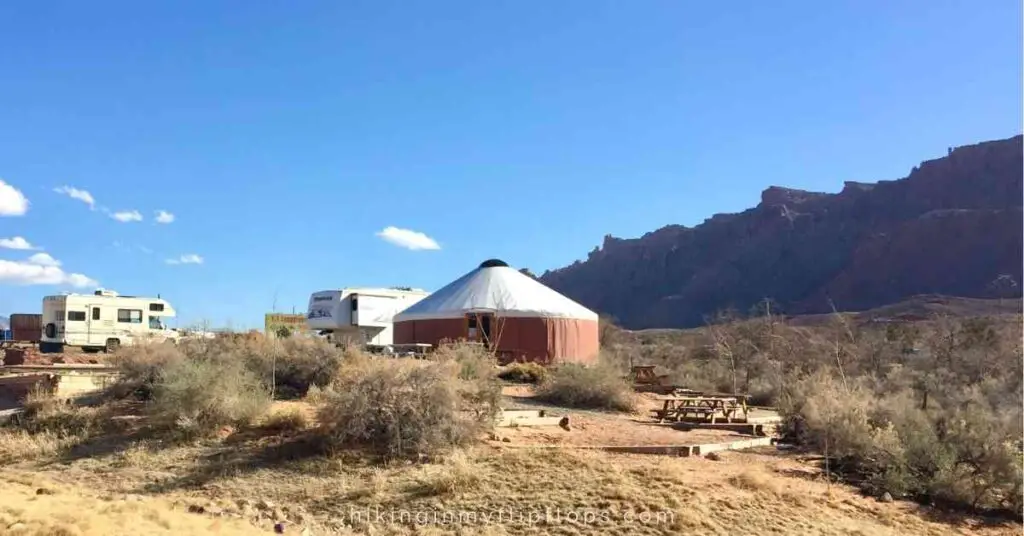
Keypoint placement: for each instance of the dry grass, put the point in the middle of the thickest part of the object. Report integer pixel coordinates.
(285, 421)
(483, 490)
(31, 505)
(273, 472)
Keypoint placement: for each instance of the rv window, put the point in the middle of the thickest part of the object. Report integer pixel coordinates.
(156, 307)
(355, 303)
(131, 316)
(154, 323)
(76, 316)
(95, 313)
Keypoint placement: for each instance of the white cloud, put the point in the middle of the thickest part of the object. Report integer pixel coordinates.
(75, 193)
(408, 238)
(12, 201)
(126, 216)
(162, 216)
(40, 269)
(43, 259)
(16, 242)
(190, 258)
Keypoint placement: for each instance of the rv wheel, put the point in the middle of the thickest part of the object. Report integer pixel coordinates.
(112, 345)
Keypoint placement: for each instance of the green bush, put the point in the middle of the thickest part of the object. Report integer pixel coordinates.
(523, 373)
(578, 386)
(406, 407)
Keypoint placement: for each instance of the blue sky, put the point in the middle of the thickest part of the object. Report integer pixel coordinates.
(284, 137)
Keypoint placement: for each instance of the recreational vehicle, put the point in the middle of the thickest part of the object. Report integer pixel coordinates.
(359, 315)
(103, 320)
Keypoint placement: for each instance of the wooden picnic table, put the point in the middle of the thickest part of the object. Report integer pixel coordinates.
(710, 407)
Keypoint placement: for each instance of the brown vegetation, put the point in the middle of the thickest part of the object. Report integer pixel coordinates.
(439, 406)
(404, 408)
(587, 387)
(929, 410)
(523, 373)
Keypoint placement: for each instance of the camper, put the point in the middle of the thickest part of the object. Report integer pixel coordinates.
(359, 316)
(104, 321)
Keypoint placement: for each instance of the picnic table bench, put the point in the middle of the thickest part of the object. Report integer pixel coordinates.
(676, 408)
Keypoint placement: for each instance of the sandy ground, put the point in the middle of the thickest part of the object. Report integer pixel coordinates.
(245, 482)
(596, 428)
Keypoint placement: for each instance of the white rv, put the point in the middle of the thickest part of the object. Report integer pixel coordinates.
(359, 315)
(103, 321)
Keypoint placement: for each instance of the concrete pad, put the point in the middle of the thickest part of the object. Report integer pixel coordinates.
(529, 421)
(526, 417)
(663, 450)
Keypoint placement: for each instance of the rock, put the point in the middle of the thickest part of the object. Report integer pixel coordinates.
(886, 497)
(44, 491)
(564, 423)
(714, 456)
(506, 440)
(279, 528)
(196, 509)
(807, 250)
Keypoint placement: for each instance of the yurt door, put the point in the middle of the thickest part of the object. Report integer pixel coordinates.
(478, 327)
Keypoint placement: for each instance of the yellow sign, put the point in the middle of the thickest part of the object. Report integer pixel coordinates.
(274, 323)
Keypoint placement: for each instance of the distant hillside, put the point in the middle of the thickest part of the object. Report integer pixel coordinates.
(952, 227)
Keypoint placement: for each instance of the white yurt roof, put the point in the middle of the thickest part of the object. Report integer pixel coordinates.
(495, 287)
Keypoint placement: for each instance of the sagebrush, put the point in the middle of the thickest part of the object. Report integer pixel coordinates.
(523, 373)
(587, 387)
(403, 408)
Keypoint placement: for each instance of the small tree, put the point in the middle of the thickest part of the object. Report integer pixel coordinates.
(283, 332)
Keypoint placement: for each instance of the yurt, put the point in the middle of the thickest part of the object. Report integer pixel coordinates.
(510, 312)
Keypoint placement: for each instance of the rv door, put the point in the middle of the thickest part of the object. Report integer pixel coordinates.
(93, 325)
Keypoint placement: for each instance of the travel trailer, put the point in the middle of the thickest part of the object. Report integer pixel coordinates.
(359, 316)
(104, 321)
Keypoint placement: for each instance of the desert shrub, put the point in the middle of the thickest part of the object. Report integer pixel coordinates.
(198, 396)
(46, 414)
(140, 366)
(473, 361)
(963, 455)
(289, 420)
(523, 373)
(406, 407)
(290, 365)
(595, 387)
